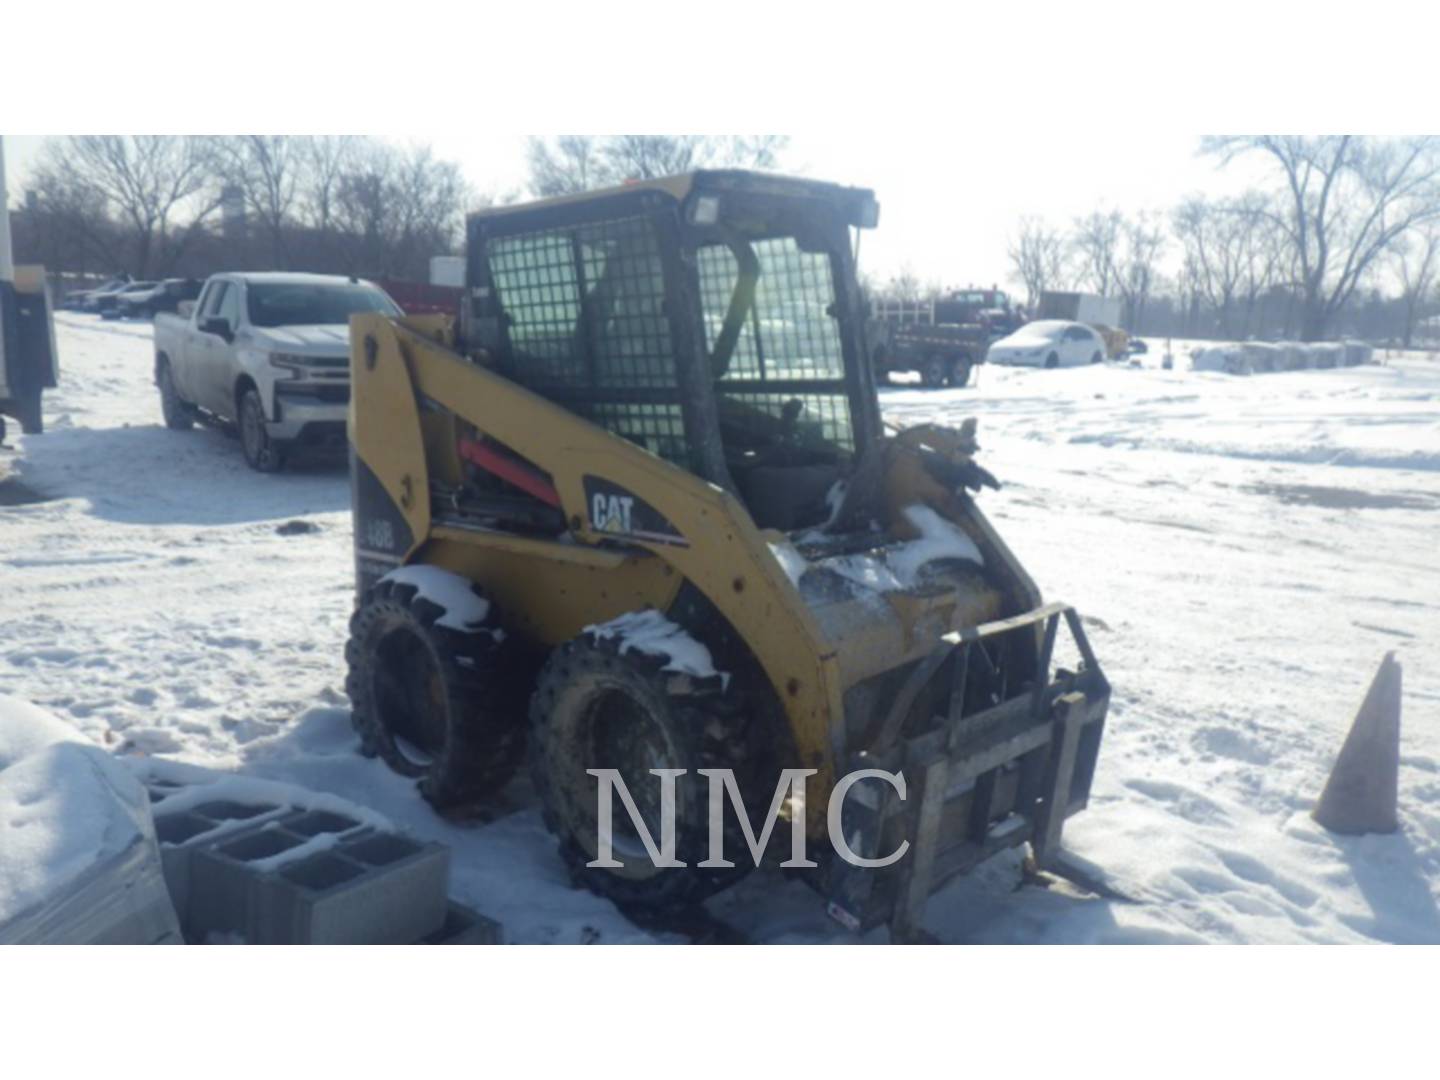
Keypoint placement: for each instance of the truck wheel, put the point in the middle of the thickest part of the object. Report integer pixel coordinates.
(934, 371)
(442, 705)
(178, 414)
(1096, 358)
(262, 453)
(960, 371)
(596, 708)
(1052, 361)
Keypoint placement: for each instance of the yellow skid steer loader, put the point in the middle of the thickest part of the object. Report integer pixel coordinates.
(637, 511)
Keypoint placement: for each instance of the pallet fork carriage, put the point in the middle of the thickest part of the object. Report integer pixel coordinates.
(658, 400)
(1044, 743)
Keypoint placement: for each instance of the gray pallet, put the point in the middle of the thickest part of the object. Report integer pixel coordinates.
(464, 926)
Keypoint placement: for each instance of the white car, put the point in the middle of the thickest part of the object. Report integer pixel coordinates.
(1049, 343)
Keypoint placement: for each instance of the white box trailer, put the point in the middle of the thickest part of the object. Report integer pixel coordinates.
(1079, 307)
(448, 270)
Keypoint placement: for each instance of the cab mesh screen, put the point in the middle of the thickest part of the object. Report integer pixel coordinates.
(586, 305)
(587, 327)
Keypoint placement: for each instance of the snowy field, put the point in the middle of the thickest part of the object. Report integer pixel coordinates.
(1245, 550)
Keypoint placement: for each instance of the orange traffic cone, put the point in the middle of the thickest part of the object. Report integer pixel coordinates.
(1361, 794)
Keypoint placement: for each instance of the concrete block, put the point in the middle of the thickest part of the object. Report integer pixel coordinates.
(229, 876)
(181, 832)
(225, 810)
(373, 889)
(222, 881)
(316, 822)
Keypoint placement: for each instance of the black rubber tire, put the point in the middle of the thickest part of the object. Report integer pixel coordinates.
(262, 453)
(960, 368)
(470, 728)
(691, 729)
(179, 414)
(1052, 361)
(1097, 358)
(934, 371)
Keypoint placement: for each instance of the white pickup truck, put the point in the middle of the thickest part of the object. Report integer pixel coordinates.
(269, 352)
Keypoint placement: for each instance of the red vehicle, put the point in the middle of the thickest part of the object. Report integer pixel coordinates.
(417, 298)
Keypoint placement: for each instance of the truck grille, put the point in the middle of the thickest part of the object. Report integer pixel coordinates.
(329, 393)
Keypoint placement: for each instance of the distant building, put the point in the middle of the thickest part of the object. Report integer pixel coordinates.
(232, 212)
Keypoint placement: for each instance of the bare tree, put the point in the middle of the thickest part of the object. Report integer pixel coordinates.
(326, 159)
(565, 166)
(268, 171)
(1229, 246)
(1266, 260)
(72, 230)
(1096, 243)
(1348, 200)
(1039, 256)
(573, 163)
(1417, 262)
(1141, 242)
(161, 186)
(906, 285)
(395, 208)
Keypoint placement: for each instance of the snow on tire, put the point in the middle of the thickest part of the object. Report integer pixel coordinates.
(441, 704)
(596, 707)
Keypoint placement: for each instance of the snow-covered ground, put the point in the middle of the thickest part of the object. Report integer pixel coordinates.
(1245, 551)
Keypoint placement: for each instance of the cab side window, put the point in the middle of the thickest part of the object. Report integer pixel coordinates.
(214, 295)
(229, 307)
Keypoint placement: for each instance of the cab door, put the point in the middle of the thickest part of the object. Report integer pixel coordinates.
(186, 367)
(212, 350)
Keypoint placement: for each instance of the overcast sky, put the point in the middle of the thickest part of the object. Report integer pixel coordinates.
(949, 205)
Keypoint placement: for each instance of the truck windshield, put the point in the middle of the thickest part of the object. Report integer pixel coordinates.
(275, 304)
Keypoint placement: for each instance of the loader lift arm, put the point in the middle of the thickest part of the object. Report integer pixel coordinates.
(714, 545)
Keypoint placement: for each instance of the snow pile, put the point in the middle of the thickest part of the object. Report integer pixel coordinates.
(79, 863)
(1157, 501)
(1357, 353)
(939, 539)
(1263, 356)
(651, 633)
(189, 786)
(1224, 358)
(1252, 357)
(790, 560)
(869, 570)
(898, 566)
(26, 729)
(464, 609)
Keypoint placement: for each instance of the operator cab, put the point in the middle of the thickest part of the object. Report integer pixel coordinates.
(710, 318)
